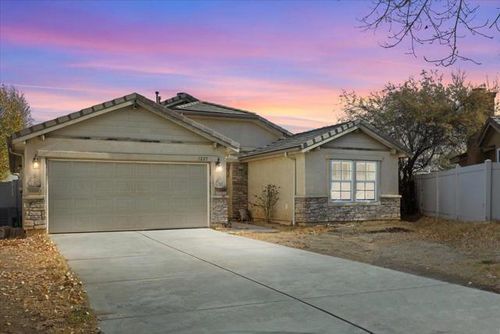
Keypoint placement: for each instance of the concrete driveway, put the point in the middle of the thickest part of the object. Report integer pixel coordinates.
(203, 281)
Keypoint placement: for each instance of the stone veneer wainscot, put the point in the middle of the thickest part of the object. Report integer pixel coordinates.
(218, 212)
(322, 210)
(35, 216)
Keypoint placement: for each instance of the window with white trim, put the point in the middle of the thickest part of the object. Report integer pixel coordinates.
(353, 180)
(341, 187)
(366, 179)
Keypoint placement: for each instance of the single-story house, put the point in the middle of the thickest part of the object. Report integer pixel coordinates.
(133, 164)
(485, 145)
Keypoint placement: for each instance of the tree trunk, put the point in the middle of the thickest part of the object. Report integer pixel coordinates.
(407, 189)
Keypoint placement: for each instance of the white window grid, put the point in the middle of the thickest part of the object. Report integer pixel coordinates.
(353, 180)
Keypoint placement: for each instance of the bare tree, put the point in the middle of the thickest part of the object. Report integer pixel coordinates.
(431, 22)
(431, 118)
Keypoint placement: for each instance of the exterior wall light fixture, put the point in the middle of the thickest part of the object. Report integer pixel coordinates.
(218, 166)
(36, 162)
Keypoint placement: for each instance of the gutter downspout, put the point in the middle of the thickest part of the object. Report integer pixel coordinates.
(18, 154)
(294, 186)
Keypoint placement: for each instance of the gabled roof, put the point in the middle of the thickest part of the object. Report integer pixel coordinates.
(188, 105)
(492, 122)
(306, 141)
(133, 99)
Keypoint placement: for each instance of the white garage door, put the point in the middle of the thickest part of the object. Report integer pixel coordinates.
(118, 196)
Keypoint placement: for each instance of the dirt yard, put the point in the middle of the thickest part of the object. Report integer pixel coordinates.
(462, 253)
(38, 293)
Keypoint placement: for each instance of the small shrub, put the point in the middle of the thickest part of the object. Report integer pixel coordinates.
(267, 200)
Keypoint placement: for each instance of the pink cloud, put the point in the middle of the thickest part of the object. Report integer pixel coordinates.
(188, 39)
(222, 63)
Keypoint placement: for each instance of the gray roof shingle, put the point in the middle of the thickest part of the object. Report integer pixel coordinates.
(189, 105)
(72, 116)
(307, 139)
(211, 108)
(134, 97)
(301, 140)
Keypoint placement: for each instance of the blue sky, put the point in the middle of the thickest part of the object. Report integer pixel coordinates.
(287, 60)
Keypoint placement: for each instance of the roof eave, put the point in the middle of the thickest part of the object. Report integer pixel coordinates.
(128, 100)
(325, 138)
(491, 123)
(328, 136)
(267, 154)
(276, 128)
(194, 126)
(212, 114)
(66, 120)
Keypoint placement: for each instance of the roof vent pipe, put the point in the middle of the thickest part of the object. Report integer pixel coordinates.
(158, 97)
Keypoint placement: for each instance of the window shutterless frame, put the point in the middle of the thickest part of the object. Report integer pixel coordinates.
(341, 180)
(353, 180)
(365, 179)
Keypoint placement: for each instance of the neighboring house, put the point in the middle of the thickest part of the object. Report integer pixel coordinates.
(134, 164)
(483, 146)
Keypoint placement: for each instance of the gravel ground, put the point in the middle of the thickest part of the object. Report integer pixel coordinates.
(38, 293)
(457, 252)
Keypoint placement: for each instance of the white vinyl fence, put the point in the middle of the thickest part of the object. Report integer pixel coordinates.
(469, 193)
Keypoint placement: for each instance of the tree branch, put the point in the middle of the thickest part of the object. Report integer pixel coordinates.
(422, 22)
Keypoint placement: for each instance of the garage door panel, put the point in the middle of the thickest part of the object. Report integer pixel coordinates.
(104, 188)
(121, 170)
(111, 196)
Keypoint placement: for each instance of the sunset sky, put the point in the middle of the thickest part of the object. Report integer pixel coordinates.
(288, 61)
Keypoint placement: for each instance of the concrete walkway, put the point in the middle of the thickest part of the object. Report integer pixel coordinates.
(203, 281)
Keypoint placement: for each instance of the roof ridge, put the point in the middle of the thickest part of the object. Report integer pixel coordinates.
(230, 108)
(309, 139)
(321, 128)
(179, 97)
(188, 104)
(184, 108)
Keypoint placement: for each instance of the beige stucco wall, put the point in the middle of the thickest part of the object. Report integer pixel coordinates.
(248, 133)
(178, 145)
(356, 139)
(312, 170)
(130, 123)
(317, 169)
(317, 163)
(277, 171)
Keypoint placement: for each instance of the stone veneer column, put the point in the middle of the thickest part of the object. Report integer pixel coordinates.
(34, 214)
(321, 210)
(238, 184)
(218, 209)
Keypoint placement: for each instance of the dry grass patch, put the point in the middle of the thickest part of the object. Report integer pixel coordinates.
(38, 292)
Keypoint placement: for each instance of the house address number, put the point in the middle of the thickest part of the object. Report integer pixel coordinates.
(203, 158)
